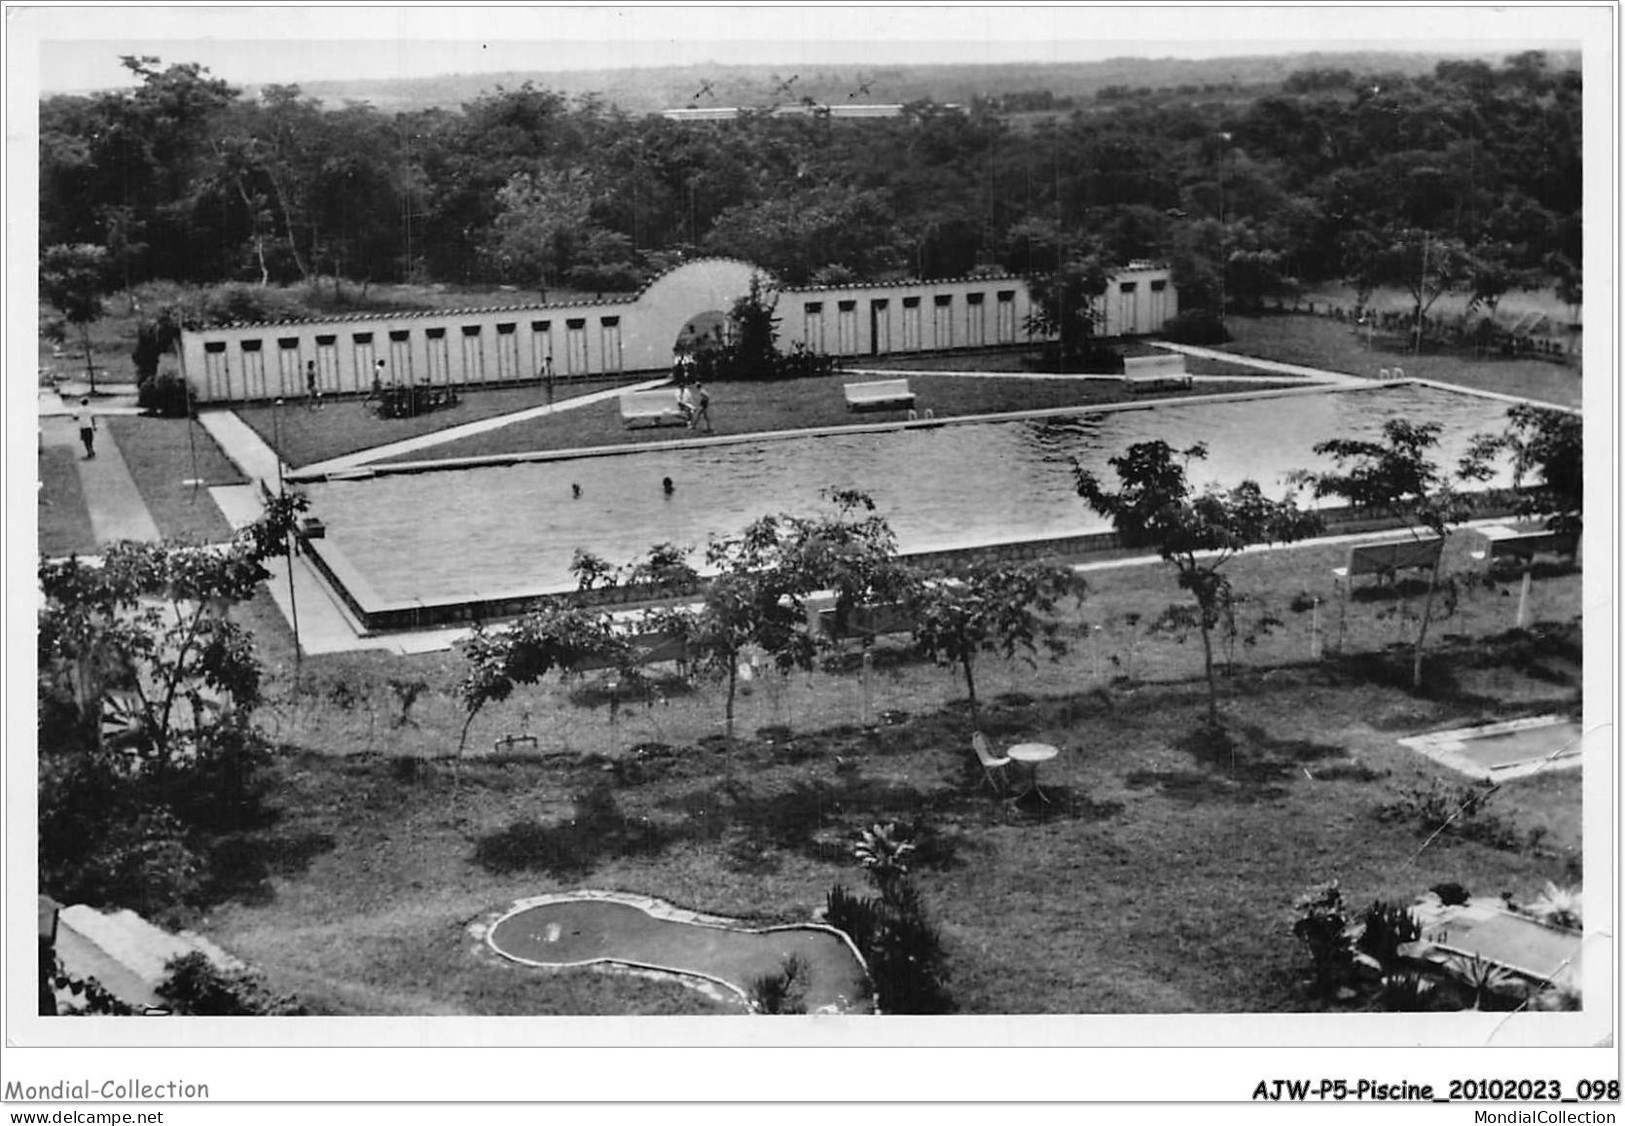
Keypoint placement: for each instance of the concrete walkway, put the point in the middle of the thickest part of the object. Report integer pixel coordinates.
(1275, 366)
(483, 426)
(116, 509)
(901, 373)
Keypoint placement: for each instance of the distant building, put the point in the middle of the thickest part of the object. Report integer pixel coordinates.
(513, 344)
(796, 109)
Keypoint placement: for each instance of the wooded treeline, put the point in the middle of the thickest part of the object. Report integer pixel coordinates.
(1473, 170)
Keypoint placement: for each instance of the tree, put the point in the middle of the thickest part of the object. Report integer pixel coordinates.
(151, 621)
(73, 279)
(990, 608)
(1198, 532)
(1419, 262)
(751, 350)
(146, 689)
(543, 215)
(1064, 307)
(764, 575)
(1395, 477)
(555, 638)
(1548, 443)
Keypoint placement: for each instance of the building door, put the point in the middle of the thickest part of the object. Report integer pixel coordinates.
(879, 327)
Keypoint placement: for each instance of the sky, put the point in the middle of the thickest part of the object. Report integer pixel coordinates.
(76, 48)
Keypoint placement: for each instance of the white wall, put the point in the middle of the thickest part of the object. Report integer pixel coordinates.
(510, 344)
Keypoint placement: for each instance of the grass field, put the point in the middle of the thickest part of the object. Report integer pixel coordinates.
(64, 521)
(160, 454)
(1324, 343)
(795, 404)
(1022, 361)
(1160, 878)
(1512, 306)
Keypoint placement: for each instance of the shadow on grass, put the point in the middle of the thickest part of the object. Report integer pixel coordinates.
(573, 848)
(819, 818)
(241, 866)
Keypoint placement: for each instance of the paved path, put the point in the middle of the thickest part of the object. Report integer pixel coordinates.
(484, 425)
(1263, 365)
(116, 509)
(252, 454)
(900, 373)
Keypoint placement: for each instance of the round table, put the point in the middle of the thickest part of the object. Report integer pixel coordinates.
(1032, 754)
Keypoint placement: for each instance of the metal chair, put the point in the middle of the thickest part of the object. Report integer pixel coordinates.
(993, 766)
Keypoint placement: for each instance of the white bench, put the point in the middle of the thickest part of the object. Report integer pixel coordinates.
(651, 408)
(1155, 373)
(1387, 559)
(879, 395)
(1505, 543)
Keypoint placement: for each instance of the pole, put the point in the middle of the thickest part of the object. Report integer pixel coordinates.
(868, 687)
(290, 544)
(191, 438)
(1421, 294)
(1523, 600)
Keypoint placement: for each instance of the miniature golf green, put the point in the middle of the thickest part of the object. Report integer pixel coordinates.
(1509, 748)
(1525, 945)
(580, 932)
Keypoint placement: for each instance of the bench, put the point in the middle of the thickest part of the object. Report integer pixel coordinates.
(879, 395)
(1155, 373)
(1505, 543)
(865, 621)
(1386, 559)
(651, 408)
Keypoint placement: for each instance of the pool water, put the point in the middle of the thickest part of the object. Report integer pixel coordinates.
(463, 534)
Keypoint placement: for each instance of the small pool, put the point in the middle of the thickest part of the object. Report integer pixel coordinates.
(587, 929)
(466, 534)
(1502, 751)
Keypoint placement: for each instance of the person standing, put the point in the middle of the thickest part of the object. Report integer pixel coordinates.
(547, 375)
(702, 407)
(313, 390)
(85, 421)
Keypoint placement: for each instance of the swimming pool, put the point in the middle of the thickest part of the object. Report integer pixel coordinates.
(502, 531)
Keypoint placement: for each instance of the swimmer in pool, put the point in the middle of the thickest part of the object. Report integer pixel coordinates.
(665, 483)
(575, 490)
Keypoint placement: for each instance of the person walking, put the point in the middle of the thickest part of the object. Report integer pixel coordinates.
(85, 421)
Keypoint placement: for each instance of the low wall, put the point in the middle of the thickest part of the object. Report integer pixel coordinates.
(378, 615)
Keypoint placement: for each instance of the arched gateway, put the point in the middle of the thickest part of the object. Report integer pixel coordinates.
(518, 343)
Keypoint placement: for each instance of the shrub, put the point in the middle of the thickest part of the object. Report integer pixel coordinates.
(195, 986)
(1385, 927)
(1459, 810)
(902, 948)
(781, 993)
(1559, 907)
(1322, 925)
(165, 395)
(856, 915)
(1195, 326)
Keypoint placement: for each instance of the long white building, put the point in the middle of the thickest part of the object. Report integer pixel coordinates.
(512, 344)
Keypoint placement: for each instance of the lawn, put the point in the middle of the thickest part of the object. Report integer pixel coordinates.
(1159, 880)
(1023, 360)
(1514, 305)
(346, 426)
(64, 520)
(165, 454)
(1325, 343)
(796, 404)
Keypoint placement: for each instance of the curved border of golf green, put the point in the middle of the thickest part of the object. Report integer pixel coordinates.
(710, 983)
